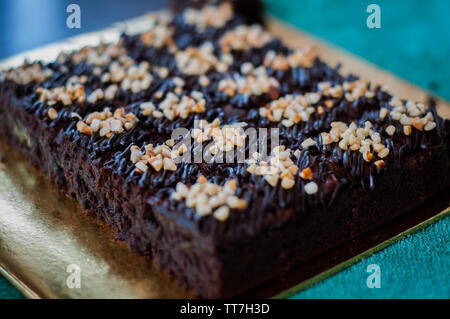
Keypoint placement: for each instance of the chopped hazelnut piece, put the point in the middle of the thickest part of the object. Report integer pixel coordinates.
(380, 164)
(418, 123)
(107, 123)
(222, 213)
(255, 83)
(383, 113)
(209, 16)
(308, 142)
(390, 130)
(83, 128)
(367, 156)
(430, 126)
(287, 183)
(298, 58)
(311, 188)
(141, 166)
(26, 74)
(52, 114)
(383, 153)
(244, 37)
(407, 130)
(306, 173)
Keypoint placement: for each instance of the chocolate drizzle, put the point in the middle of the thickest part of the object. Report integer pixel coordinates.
(334, 169)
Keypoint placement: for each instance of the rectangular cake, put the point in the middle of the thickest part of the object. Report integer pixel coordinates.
(219, 152)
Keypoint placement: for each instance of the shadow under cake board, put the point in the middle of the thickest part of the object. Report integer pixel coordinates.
(42, 231)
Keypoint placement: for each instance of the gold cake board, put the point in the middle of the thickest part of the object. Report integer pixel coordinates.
(43, 232)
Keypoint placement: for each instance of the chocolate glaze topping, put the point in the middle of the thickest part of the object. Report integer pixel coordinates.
(334, 169)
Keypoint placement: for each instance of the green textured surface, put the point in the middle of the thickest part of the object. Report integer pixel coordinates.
(414, 43)
(415, 267)
(7, 291)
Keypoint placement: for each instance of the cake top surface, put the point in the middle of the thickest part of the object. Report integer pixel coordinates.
(219, 122)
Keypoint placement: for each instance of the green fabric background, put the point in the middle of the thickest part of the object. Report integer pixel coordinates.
(7, 291)
(414, 43)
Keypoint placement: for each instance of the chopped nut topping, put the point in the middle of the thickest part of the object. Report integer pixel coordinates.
(418, 123)
(160, 157)
(383, 153)
(107, 123)
(311, 188)
(350, 90)
(308, 142)
(95, 96)
(26, 73)
(73, 80)
(405, 120)
(147, 108)
(222, 213)
(158, 36)
(141, 167)
(367, 156)
(75, 115)
(255, 83)
(380, 164)
(101, 55)
(162, 71)
(390, 130)
(208, 198)
(287, 183)
(178, 82)
(362, 139)
(407, 130)
(174, 106)
(409, 115)
(198, 61)
(279, 166)
(52, 114)
(430, 126)
(203, 80)
(290, 109)
(306, 173)
(209, 16)
(246, 67)
(383, 113)
(83, 128)
(224, 138)
(125, 73)
(245, 37)
(65, 94)
(130, 76)
(328, 90)
(110, 92)
(298, 58)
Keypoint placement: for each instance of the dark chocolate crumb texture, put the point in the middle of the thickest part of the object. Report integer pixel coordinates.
(99, 122)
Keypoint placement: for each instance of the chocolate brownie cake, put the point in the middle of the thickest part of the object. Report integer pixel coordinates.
(219, 207)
